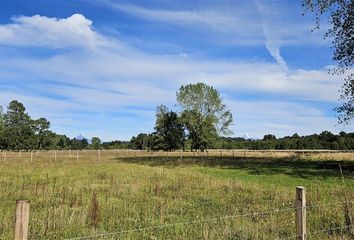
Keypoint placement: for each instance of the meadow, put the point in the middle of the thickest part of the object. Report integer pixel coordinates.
(142, 195)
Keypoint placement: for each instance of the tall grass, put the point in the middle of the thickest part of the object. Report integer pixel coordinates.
(160, 198)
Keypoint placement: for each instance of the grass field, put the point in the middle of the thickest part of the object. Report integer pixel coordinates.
(169, 198)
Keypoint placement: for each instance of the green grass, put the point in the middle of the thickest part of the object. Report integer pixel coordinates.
(210, 197)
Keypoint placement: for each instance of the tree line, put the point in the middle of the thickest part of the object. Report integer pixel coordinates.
(201, 122)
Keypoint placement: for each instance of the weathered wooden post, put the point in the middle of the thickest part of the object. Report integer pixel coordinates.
(300, 216)
(55, 155)
(77, 155)
(22, 219)
(31, 156)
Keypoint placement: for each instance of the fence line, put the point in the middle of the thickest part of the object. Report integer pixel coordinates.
(181, 223)
(300, 217)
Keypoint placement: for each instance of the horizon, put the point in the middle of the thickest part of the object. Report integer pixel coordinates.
(100, 68)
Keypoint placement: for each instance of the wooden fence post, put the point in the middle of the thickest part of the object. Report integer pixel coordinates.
(4, 153)
(55, 155)
(22, 219)
(77, 155)
(31, 156)
(300, 216)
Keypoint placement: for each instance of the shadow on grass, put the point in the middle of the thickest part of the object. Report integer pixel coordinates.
(262, 166)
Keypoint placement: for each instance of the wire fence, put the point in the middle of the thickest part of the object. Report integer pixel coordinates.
(36, 155)
(311, 234)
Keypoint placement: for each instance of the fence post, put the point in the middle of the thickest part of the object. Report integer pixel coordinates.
(300, 216)
(22, 219)
(4, 153)
(77, 155)
(31, 156)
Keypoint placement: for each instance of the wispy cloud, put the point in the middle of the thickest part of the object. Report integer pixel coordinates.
(118, 88)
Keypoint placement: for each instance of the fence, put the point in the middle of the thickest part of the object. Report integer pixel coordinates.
(213, 153)
(301, 212)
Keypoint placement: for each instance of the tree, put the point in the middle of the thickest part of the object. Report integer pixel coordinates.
(169, 129)
(19, 133)
(2, 129)
(141, 142)
(96, 143)
(78, 144)
(204, 114)
(41, 129)
(341, 30)
(269, 137)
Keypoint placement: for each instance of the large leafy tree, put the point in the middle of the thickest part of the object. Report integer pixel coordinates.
(169, 129)
(19, 133)
(340, 15)
(204, 114)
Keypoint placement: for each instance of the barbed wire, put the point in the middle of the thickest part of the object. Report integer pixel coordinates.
(181, 223)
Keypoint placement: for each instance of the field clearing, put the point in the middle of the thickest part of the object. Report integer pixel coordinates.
(143, 195)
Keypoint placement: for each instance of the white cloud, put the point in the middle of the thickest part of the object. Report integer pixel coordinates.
(78, 89)
(238, 23)
(270, 26)
(42, 31)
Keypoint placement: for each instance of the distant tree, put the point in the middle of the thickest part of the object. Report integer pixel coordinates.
(142, 141)
(96, 143)
(19, 133)
(2, 129)
(204, 114)
(341, 30)
(43, 135)
(78, 144)
(169, 129)
(269, 137)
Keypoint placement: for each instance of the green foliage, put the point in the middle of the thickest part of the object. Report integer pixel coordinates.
(204, 114)
(324, 140)
(169, 128)
(78, 144)
(116, 145)
(43, 135)
(341, 21)
(96, 143)
(142, 142)
(19, 133)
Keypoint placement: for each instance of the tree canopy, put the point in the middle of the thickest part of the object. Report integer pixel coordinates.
(169, 129)
(340, 16)
(203, 113)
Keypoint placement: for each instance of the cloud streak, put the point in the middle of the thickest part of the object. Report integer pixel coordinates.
(118, 87)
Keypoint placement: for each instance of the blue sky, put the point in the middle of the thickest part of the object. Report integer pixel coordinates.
(100, 67)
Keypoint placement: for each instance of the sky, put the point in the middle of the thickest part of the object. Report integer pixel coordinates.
(101, 67)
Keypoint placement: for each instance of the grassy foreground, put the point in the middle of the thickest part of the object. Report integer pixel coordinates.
(215, 198)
